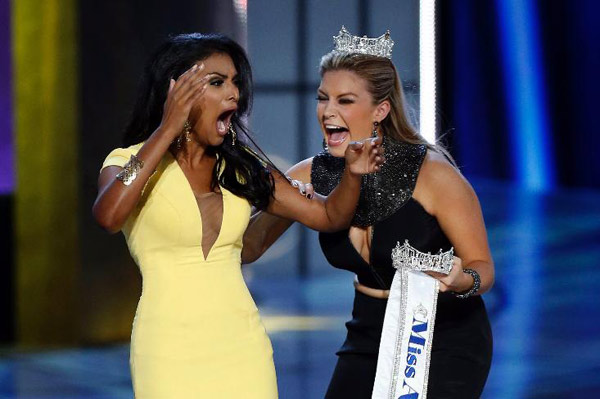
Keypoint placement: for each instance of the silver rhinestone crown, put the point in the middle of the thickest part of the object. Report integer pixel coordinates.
(407, 257)
(379, 46)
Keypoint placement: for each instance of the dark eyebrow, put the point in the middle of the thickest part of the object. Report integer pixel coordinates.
(218, 74)
(224, 77)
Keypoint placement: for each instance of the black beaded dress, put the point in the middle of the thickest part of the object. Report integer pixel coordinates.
(462, 341)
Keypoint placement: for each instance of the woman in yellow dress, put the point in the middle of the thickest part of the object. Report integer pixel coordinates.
(181, 191)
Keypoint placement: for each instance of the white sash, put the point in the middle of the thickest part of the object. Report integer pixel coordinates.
(405, 347)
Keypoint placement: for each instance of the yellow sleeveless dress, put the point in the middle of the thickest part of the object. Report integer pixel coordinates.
(197, 332)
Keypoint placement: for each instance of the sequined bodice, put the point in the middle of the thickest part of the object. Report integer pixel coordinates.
(386, 204)
(381, 193)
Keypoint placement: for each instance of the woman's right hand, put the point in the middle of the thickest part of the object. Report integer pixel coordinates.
(182, 95)
(366, 156)
(116, 201)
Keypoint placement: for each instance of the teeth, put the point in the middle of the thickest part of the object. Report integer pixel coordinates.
(334, 127)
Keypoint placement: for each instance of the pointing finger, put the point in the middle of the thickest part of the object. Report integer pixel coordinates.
(356, 145)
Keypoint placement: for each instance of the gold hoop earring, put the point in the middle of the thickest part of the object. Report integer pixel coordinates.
(185, 136)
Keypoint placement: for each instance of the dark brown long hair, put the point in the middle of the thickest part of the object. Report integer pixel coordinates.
(239, 169)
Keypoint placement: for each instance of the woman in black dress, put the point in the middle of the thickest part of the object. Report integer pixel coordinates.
(420, 196)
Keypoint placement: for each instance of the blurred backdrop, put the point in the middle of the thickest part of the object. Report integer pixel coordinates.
(517, 84)
(75, 67)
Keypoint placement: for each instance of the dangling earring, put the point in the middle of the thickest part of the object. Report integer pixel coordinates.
(233, 134)
(375, 125)
(185, 136)
(325, 147)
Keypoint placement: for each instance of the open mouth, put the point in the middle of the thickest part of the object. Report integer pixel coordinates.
(224, 120)
(336, 135)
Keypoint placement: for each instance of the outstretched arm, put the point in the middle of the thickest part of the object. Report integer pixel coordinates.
(331, 213)
(334, 212)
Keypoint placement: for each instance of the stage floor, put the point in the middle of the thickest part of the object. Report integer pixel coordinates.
(543, 309)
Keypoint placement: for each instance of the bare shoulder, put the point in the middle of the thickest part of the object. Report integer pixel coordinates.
(301, 171)
(440, 183)
(436, 170)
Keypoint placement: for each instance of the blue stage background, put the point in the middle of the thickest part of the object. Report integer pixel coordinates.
(519, 89)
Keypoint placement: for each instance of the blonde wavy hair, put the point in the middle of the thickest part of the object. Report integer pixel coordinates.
(383, 83)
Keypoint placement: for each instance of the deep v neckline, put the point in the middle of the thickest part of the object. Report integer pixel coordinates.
(367, 264)
(355, 251)
(206, 256)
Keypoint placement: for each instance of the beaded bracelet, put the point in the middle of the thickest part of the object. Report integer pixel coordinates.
(474, 288)
(130, 170)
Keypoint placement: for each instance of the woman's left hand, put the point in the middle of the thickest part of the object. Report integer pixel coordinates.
(456, 281)
(305, 189)
(365, 156)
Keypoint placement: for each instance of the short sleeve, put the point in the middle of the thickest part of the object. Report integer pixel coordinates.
(120, 156)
